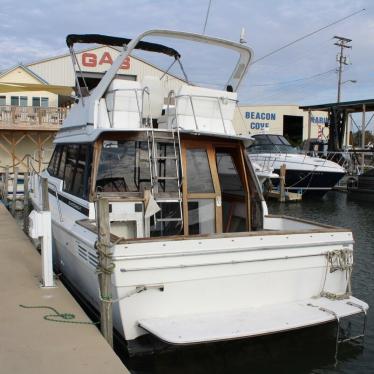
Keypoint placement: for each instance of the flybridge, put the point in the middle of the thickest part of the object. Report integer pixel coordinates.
(121, 104)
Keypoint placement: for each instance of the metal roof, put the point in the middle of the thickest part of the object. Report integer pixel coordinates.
(350, 106)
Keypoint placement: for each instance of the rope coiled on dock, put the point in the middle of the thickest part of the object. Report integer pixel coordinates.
(57, 316)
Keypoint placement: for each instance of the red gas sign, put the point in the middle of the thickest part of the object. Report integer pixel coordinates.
(91, 60)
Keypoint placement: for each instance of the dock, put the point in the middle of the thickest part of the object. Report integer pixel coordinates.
(28, 342)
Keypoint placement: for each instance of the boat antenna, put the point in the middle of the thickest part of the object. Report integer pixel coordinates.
(207, 16)
(242, 39)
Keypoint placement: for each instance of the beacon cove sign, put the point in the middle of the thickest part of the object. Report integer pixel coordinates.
(258, 118)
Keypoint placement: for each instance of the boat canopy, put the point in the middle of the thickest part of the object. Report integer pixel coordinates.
(71, 39)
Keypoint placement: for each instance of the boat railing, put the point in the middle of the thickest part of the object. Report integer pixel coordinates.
(219, 100)
(138, 93)
(355, 162)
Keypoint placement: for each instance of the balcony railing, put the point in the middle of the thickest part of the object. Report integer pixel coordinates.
(26, 117)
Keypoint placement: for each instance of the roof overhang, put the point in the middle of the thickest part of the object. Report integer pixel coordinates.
(357, 106)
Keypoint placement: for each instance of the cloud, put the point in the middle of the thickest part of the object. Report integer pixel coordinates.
(30, 31)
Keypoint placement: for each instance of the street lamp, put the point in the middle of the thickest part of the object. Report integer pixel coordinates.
(347, 81)
(350, 80)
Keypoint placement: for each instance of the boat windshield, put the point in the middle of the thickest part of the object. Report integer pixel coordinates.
(271, 144)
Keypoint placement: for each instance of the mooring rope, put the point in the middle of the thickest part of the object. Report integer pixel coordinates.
(57, 316)
(339, 260)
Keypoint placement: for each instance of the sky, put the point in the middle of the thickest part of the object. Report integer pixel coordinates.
(303, 74)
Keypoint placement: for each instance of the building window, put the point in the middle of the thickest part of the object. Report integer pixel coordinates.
(23, 101)
(2, 100)
(36, 101)
(14, 100)
(44, 102)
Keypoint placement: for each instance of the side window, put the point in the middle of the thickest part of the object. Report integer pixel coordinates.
(71, 160)
(61, 166)
(78, 185)
(77, 162)
(55, 160)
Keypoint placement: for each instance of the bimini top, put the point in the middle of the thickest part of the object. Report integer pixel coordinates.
(72, 39)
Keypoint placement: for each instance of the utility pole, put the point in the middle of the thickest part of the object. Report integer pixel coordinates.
(341, 59)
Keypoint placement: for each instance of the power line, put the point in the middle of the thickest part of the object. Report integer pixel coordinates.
(294, 80)
(306, 36)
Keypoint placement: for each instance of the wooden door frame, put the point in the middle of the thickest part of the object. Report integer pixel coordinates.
(216, 195)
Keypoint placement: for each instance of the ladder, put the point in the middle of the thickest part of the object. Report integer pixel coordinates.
(155, 140)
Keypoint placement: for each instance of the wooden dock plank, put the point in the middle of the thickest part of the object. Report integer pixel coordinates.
(29, 343)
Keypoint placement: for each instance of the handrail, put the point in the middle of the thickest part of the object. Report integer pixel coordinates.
(58, 200)
(144, 90)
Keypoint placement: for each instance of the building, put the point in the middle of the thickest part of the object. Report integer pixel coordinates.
(287, 120)
(29, 119)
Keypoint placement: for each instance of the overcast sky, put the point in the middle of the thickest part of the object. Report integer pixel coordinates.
(301, 74)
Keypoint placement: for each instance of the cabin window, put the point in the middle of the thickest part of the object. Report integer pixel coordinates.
(198, 171)
(234, 205)
(200, 190)
(55, 160)
(61, 166)
(2, 100)
(76, 161)
(124, 167)
(201, 216)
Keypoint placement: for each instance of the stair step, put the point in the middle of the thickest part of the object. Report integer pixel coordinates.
(169, 219)
(166, 178)
(160, 137)
(166, 158)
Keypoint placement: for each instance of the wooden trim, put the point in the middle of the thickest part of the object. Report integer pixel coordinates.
(217, 188)
(184, 189)
(246, 185)
(202, 195)
(94, 168)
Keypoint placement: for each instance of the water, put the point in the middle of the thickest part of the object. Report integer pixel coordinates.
(306, 351)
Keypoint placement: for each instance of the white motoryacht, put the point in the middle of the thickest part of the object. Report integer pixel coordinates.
(196, 256)
(304, 174)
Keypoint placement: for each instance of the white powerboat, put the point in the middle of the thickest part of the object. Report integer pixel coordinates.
(304, 174)
(196, 257)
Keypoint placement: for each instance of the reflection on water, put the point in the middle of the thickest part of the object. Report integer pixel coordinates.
(307, 351)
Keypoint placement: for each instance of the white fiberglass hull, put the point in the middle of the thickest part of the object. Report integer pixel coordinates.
(304, 174)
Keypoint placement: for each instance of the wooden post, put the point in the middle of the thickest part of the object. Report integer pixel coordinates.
(6, 181)
(15, 180)
(105, 263)
(26, 201)
(282, 181)
(363, 129)
(45, 197)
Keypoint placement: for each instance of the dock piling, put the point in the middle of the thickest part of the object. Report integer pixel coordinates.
(15, 185)
(105, 263)
(282, 181)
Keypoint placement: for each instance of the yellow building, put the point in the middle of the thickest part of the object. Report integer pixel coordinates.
(29, 118)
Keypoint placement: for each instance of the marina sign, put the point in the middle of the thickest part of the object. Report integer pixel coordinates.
(263, 116)
(92, 60)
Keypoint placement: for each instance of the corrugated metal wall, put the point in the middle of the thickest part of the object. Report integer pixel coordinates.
(59, 70)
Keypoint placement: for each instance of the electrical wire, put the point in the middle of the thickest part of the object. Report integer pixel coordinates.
(307, 36)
